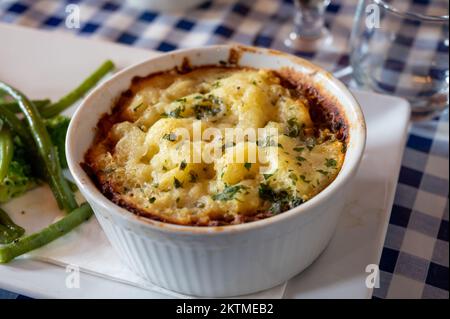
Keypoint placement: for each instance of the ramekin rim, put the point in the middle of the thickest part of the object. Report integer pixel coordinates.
(92, 193)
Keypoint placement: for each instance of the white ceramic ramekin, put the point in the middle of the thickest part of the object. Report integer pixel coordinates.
(227, 260)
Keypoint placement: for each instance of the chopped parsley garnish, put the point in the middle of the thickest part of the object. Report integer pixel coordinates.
(229, 193)
(208, 106)
(200, 205)
(299, 149)
(248, 166)
(294, 128)
(281, 200)
(295, 201)
(267, 176)
(310, 143)
(330, 162)
(137, 107)
(216, 84)
(267, 193)
(183, 165)
(321, 171)
(176, 113)
(202, 111)
(293, 178)
(300, 158)
(177, 183)
(152, 200)
(303, 178)
(170, 137)
(193, 176)
(267, 142)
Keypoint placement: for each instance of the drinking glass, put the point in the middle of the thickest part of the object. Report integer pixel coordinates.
(309, 31)
(400, 47)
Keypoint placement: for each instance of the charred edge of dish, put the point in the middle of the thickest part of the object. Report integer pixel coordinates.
(135, 80)
(104, 126)
(90, 172)
(327, 113)
(234, 56)
(108, 190)
(324, 109)
(185, 66)
(179, 70)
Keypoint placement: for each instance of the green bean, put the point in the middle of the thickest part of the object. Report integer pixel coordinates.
(45, 149)
(79, 92)
(14, 107)
(6, 152)
(16, 126)
(47, 235)
(9, 231)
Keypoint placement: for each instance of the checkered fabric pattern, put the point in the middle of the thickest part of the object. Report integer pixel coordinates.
(410, 42)
(415, 260)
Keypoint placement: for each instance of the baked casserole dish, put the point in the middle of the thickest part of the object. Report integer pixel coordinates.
(141, 163)
(231, 212)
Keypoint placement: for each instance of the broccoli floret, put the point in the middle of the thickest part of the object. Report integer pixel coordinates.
(18, 179)
(2, 97)
(57, 128)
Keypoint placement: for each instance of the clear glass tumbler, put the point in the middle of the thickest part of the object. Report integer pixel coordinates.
(309, 31)
(400, 47)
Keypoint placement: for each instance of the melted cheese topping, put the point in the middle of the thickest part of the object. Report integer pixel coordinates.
(141, 163)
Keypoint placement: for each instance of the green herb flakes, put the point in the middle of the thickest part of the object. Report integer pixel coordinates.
(330, 162)
(229, 193)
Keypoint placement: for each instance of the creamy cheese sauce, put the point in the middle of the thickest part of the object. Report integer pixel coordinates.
(140, 162)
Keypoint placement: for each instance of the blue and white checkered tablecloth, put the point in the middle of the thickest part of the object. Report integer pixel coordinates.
(415, 259)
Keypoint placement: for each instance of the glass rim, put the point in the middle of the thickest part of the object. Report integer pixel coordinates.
(412, 15)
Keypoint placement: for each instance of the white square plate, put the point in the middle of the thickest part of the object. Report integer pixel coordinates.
(47, 65)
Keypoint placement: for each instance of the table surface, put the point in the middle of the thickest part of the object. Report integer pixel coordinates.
(415, 260)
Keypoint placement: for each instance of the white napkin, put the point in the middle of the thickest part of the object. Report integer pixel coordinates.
(87, 246)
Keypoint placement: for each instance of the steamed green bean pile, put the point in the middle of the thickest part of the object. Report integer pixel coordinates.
(32, 138)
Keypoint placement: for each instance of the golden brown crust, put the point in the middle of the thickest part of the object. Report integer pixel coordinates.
(324, 111)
